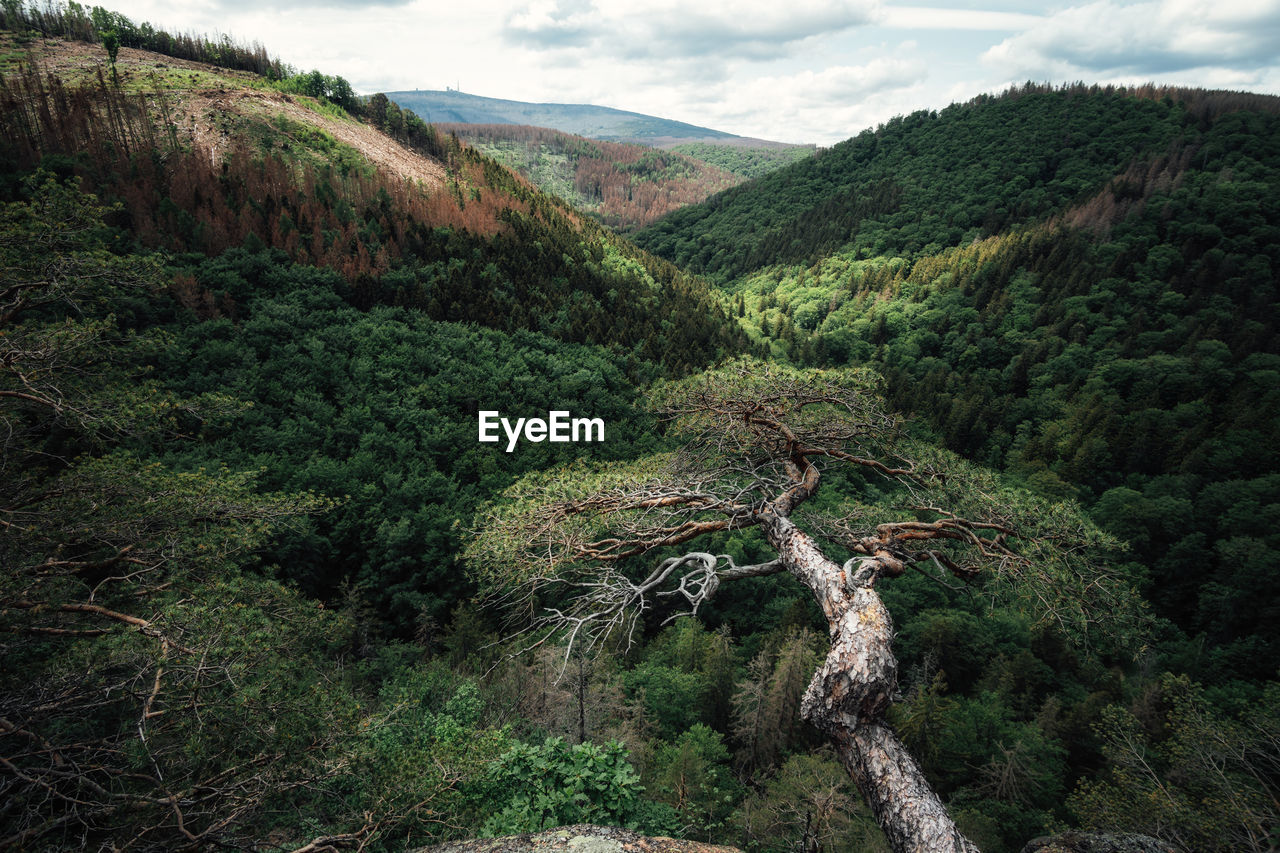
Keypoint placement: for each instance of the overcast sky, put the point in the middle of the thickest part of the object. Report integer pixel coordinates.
(788, 70)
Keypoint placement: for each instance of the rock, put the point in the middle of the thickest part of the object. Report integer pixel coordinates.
(1090, 842)
(582, 838)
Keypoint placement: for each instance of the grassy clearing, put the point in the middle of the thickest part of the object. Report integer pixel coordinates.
(306, 144)
(79, 64)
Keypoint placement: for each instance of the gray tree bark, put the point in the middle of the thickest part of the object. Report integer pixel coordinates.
(854, 686)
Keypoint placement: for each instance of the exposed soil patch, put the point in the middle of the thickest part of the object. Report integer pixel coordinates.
(80, 61)
(196, 114)
(199, 96)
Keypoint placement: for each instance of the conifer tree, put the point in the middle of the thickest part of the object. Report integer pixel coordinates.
(756, 440)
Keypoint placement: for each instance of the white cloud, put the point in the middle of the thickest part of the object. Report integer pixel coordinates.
(823, 106)
(931, 18)
(755, 29)
(232, 6)
(842, 84)
(1148, 39)
(553, 23)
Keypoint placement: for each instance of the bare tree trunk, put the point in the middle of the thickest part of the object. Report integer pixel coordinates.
(854, 686)
(582, 699)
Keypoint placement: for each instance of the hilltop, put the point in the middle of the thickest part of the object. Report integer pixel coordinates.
(205, 100)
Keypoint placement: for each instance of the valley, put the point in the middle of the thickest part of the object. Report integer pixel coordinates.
(267, 585)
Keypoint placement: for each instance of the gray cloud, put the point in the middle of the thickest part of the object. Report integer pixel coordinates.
(560, 24)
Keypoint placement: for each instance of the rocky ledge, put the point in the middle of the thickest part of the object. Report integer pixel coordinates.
(582, 838)
(1089, 842)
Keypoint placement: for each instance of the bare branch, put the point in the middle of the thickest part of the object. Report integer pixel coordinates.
(610, 605)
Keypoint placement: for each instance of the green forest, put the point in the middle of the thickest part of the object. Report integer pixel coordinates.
(262, 588)
(747, 161)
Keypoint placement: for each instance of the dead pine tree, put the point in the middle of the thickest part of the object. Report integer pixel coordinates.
(570, 546)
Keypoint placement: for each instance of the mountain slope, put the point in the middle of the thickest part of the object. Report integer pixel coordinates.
(411, 217)
(624, 186)
(1079, 288)
(930, 180)
(1099, 316)
(269, 203)
(253, 310)
(749, 162)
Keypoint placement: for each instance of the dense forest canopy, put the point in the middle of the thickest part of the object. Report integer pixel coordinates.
(1105, 337)
(930, 180)
(241, 359)
(1085, 352)
(748, 161)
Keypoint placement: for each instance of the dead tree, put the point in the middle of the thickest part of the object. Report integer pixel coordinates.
(756, 439)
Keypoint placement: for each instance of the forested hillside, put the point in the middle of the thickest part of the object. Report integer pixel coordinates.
(248, 322)
(930, 180)
(625, 186)
(247, 326)
(1077, 287)
(1111, 343)
(406, 215)
(747, 161)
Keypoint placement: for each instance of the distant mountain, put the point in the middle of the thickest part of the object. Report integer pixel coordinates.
(587, 120)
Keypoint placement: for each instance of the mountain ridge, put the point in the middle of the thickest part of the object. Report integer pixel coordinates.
(1017, 157)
